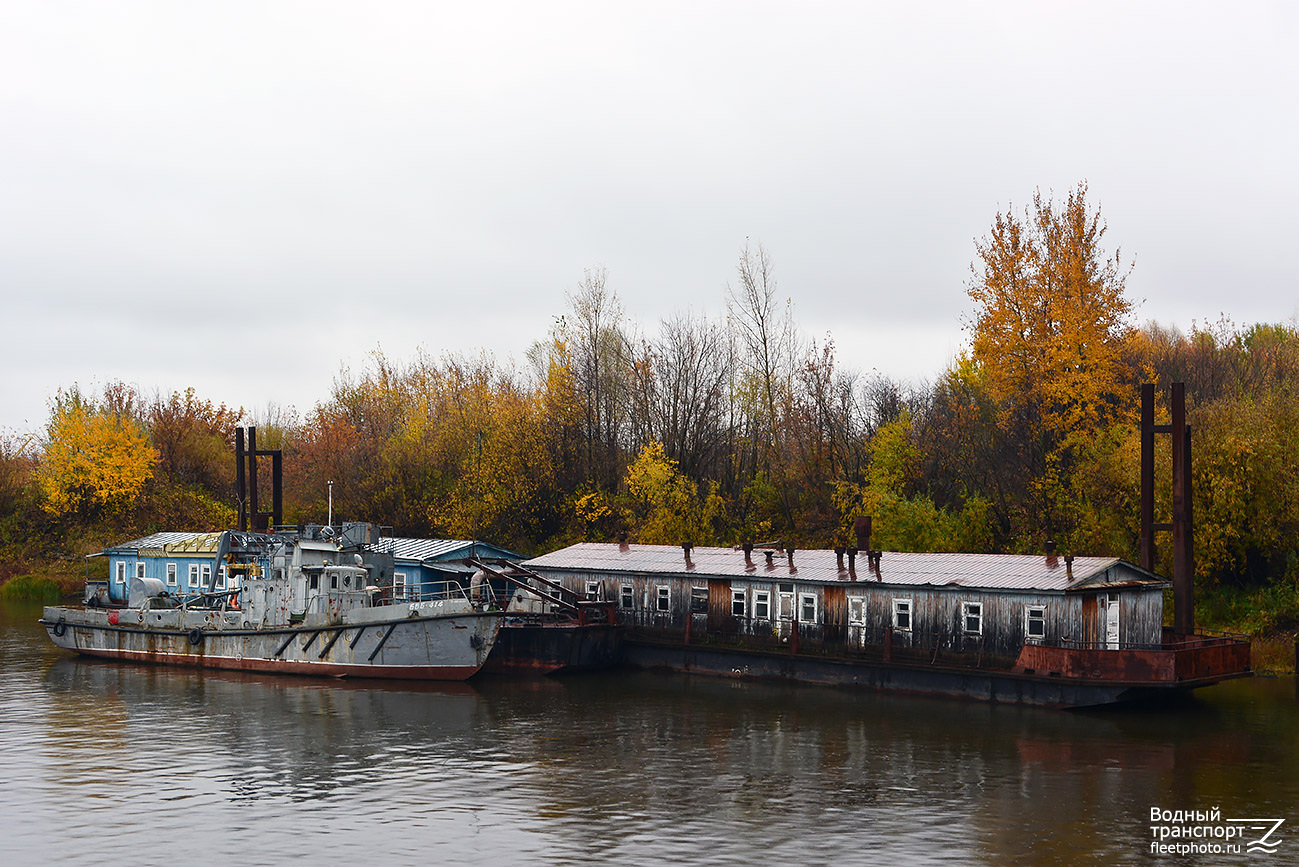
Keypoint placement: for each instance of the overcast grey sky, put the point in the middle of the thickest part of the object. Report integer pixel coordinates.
(242, 197)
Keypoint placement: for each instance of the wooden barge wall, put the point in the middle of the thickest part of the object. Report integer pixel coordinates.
(857, 613)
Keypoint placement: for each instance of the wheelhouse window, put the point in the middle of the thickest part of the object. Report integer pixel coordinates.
(207, 575)
(761, 604)
(738, 606)
(664, 598)
(807, 608)
(398, 585)
(121, 571)
(627, 598)
(698, 600)
(1035, 622)
(857, 610)
(171, 574)
(902, 614)
(972, 618)
(139, 569)
(193, 574)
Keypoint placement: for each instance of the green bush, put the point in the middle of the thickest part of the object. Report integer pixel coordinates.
(31, 588)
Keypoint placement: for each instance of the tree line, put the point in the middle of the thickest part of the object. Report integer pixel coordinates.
(741, 428)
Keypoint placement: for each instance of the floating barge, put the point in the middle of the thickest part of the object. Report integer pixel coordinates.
(1063, 632)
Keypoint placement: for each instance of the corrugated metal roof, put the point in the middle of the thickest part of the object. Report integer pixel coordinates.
(434, 549)
(159, 540)
(982, 571)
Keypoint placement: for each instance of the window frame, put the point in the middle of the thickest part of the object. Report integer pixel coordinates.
(761, 604)
(192, 577)
(971, 610)
(627, 597)
(803, 600)
(739, 597)
(1030, 619)
(909, 613)
(205, 573)
(139, 569)
(662, 598)
(172, 575)
(699, 599)
(121, 572)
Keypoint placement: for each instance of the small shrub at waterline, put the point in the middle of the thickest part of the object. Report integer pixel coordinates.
(32, 588)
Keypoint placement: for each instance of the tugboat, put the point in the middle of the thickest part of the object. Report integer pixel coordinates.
(304, 604)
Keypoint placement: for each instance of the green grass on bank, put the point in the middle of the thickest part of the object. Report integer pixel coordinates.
(32, 588)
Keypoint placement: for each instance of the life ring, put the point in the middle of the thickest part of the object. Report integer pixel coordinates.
(60, 627)
(196, 637)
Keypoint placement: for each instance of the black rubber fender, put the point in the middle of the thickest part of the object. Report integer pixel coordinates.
(196, 637)
(60, 627)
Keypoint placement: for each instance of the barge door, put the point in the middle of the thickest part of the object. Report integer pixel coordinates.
(1111, 603)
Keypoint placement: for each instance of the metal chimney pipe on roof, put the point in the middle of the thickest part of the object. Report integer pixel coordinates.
(770, 559)
(789, 552)
(852, 563)
(747, 548)
(861, 527)
(685, 548)
(838, 558)
(1068, 568)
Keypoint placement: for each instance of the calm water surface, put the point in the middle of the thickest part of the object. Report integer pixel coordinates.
(105, 763)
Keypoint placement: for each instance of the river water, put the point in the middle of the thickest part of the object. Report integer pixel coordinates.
(107, 763)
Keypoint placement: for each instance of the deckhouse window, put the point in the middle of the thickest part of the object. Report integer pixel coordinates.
(626, 599)
(761, 604)
(857, 610)
(207, 574)
(1035, 622)
(121, 571)
(171, 574)
(398, 585)
(665, 598)
(738, 607)
(785, 602)
(902, 614)
(972, 617)
(698, 600)
(139, 569)
(807, 610)
(193, 574)
(221, 578)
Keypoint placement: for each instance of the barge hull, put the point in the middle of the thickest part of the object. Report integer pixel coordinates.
(540, 649)
(983, 684)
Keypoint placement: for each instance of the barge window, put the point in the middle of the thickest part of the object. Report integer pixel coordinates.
(627, 596)
(738, 607)
(171, 574)
(785, 603)
(698, 600)
(808, 613)
(972, 615)
(665, 598)
(207, 574)
(592, 591)
(1035, 622)
(139, 569)
(121, 571)
(761, 604)
(398, 585)
(193, 574)
(857, 610)
(902, 614)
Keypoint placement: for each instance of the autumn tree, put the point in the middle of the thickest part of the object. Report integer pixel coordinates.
(94, 458)
(1050, 319)
(667, 507)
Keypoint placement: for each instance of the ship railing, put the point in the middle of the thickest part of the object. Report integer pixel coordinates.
(441, 590)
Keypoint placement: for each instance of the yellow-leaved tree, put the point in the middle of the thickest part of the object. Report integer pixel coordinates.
(1051, 317)
(669, 508)
(94, 460)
